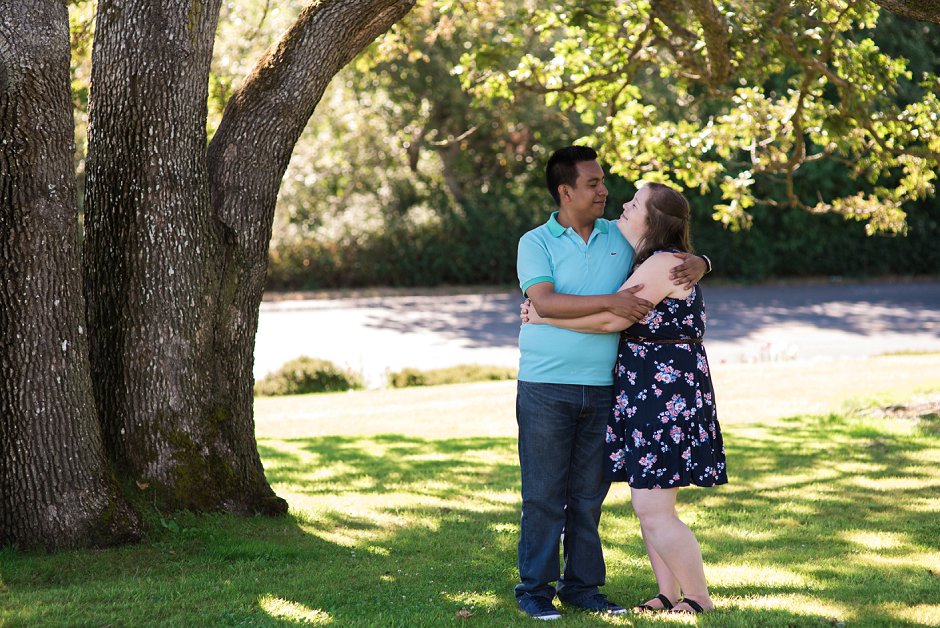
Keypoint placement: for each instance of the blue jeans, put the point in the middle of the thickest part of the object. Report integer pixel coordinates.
(561, 456)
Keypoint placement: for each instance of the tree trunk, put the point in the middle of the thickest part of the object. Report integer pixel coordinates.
(174, 283)
(56, 488)
(152, 260)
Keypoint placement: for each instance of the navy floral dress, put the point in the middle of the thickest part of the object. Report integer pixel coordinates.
(663, 431)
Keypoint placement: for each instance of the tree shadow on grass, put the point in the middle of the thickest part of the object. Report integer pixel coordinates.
(838, 506)
(390, 462)
(392, 530)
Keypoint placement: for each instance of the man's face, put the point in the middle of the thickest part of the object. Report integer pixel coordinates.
(589, 194)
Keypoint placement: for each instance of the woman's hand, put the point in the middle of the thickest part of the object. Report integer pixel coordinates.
(528, 314)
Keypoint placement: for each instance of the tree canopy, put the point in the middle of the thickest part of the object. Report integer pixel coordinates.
(400, 165)
(740, 96)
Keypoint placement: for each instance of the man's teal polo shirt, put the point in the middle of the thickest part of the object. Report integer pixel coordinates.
(558, 255)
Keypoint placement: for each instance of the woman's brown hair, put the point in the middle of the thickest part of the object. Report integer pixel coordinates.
(667, 222)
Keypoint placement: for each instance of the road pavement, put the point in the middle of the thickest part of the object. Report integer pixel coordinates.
(374, 335)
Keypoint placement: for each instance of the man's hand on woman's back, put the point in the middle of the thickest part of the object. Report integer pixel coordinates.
(689, 272)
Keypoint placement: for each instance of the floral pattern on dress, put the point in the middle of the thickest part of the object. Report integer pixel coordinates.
(663, 431)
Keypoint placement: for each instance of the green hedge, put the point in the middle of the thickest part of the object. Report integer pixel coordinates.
(482, 250)
(477, 246)
(793, 244)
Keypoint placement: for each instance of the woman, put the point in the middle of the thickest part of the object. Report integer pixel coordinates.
(662, 433)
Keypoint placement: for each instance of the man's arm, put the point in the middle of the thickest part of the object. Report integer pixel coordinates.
(551, 304)
(600, 323)
(690, 271)
(649, 280)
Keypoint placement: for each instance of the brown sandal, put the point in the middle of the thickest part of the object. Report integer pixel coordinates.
(646, 608)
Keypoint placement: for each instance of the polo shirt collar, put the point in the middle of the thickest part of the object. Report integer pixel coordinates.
(555, 228)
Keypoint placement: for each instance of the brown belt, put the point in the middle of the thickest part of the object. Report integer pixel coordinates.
(661, 341)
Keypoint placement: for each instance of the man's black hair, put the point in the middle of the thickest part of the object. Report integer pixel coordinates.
(562, 168)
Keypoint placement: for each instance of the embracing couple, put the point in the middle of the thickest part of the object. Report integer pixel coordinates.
(596, 406)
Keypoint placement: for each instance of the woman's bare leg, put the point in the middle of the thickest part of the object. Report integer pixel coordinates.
(673, 542)
(668, 584)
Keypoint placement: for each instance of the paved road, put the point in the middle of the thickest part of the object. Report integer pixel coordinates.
(746, 324)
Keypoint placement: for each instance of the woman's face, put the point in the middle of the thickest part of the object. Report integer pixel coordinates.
(632, 223)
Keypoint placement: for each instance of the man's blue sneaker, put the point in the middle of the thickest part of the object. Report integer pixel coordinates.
(539, 607)
(598, 603)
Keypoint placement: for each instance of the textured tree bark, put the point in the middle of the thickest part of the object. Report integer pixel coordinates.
(152, 259)
(174, 282)
(56, 487)
(922, 10)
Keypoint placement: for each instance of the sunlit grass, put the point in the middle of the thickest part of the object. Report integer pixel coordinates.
(279, 608)
(919, 614)
(830, 517)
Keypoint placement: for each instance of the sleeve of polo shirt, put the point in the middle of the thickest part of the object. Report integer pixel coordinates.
(533, 264)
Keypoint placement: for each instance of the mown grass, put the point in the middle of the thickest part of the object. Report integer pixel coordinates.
(830, 518)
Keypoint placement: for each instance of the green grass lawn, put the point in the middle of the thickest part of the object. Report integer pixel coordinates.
(404, 512)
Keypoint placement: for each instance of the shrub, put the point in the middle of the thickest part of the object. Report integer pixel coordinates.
(307, 375)
(459, 374)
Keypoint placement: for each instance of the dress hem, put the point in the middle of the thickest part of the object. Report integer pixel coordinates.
(651, 487)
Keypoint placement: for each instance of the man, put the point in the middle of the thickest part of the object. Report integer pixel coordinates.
(571, 266)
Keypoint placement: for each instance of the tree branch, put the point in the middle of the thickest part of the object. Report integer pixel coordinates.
(789, 46)
(896, 152)
(717, 36)
(664, 13)
(717, 40)
(923, 10)
(264, 118)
